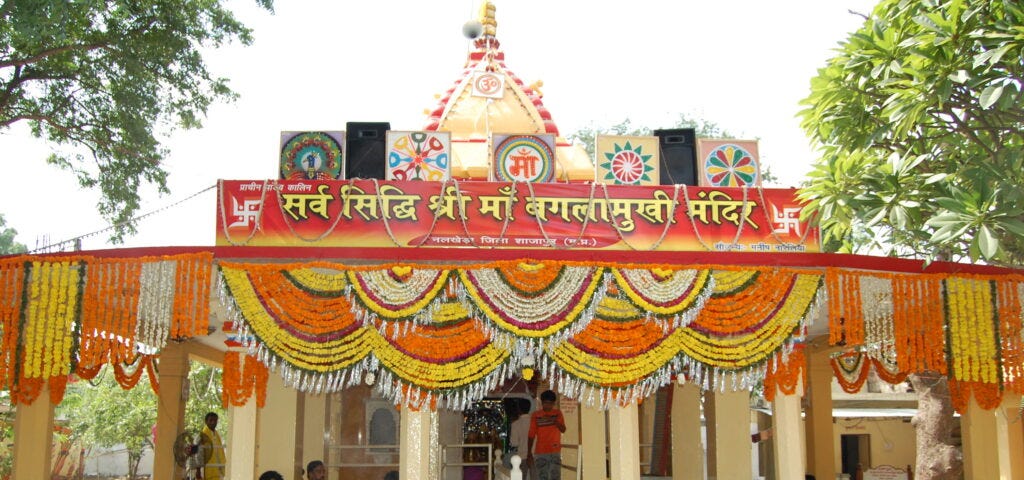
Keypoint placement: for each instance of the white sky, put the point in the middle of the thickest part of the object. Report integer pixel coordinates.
(315, 65)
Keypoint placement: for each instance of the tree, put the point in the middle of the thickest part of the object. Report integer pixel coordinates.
(918, 118)
(703, 128)
(7, 243)
(105, 416)
(104, 80)
(102, 414)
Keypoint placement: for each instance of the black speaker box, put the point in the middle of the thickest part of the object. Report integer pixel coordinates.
(364, 149)
(678, 156)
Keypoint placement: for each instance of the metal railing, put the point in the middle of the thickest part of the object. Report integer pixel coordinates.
(462, 446)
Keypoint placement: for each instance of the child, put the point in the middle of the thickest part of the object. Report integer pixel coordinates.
(545, 444)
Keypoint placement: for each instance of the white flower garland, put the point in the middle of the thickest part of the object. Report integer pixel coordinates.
(156, 303)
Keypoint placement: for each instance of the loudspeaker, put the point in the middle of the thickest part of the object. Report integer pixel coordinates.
(365, 155)
(678, 156)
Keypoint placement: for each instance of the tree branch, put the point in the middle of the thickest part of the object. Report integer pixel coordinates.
(51, 52)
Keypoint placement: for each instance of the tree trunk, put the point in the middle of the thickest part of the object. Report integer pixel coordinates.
(937, 457)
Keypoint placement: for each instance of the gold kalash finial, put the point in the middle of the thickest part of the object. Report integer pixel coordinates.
(487, 19)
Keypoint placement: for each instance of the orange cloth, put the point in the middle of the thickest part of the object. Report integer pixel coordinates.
(544, 428)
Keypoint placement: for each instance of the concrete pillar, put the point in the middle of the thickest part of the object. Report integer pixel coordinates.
(414, 455)
(687, 445)
(787, 436)
(33, 437)
(820, 437)
(241, 452)
(592, 443)
(313, 443)
(981, 453)
(170, 417)
(1010, 438)
(732, 435)
(275, 435)
(624, 442)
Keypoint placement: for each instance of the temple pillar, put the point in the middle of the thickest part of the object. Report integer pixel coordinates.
(733, 457)
(314, 423)
(624, 442)
(787, 437)
(980, 449)
(170, 417)
(687, 445)
(241, 453)
(33, 437)
(277, 423)
(1010, 438)
(592, 443)
(414, 454)
(820, 441)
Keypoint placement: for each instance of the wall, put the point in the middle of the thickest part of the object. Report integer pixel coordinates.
(893, 440)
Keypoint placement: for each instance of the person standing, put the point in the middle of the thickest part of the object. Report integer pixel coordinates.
(519, 435)
(544, 448)
(215, 466)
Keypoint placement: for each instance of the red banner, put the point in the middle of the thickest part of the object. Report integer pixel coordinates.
(368, 213)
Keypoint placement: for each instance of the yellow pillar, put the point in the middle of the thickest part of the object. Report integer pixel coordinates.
(787, 436)
(687, 445)
(241, 442)
(170, 417)
(820, 439)
(314, 416)
(592, 443)
(624, 442)
(732, 435)
(978, 429)
(33, 437)
(276, 427)
(1009, 438)
(414, 455)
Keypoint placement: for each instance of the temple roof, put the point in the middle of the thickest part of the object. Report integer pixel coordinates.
(514, 108)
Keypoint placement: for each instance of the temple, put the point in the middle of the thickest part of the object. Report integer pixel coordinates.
(385, 324)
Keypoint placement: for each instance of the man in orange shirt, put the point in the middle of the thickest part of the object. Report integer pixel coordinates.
(545, 443)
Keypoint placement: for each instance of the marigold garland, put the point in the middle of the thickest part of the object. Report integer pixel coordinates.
(987, 395)
(1011, 337)
(52, 307)
(241, 383)
(788, 372)
(918, 323)
(12, 279)
(971, 317)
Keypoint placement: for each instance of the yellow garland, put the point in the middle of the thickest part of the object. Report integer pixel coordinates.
(52, 304)
(614, 371)
(972, 330)
(434, 376)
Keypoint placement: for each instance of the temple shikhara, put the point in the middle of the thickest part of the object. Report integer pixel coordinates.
(384, 302)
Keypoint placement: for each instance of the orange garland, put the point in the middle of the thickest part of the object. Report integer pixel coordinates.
(987, 395)
(240, 383)
(786, 375)
(918, 323)
(1011, 345)
(12, 280)
(846, 320)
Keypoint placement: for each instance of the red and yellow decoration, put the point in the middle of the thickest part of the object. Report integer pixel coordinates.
(446, 335)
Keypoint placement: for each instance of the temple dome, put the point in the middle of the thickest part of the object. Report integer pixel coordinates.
(516, 109)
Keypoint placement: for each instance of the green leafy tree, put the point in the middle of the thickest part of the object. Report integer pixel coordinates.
(703, 128)
(105, 416)
(919, 119)
(7, 243)
(102, 414)
(104, 80)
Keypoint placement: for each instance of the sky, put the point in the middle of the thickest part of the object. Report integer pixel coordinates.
(315, 65)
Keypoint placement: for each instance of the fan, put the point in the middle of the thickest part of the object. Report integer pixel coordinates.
(192, 451)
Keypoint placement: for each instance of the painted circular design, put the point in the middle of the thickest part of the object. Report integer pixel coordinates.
(523, 158)
(730, 165)
(311, 156)
(628, 167)
(487, 84)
